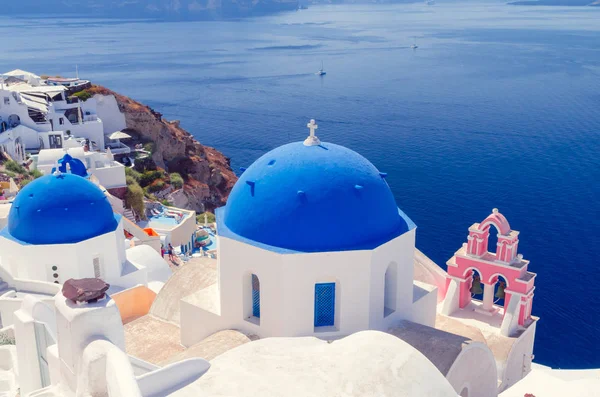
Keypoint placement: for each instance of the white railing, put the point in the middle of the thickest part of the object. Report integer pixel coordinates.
(118, 148)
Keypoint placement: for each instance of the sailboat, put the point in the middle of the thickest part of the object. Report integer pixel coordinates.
(414, 45)
(321, 72)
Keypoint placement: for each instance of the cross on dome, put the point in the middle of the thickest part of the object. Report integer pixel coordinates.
(312, 139)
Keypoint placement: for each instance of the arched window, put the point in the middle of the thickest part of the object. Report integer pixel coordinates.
(255, 296)
(390, 289)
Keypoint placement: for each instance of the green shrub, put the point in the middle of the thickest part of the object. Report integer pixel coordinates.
(15, 167)
(133, 173)
(150, 147)
(176, 180)
(166, 202)
(148, 177)
(134, 199)
(24, 182)
(35, 173)
(210, 217)
(156, 186)
(129, 180)
(83, 95)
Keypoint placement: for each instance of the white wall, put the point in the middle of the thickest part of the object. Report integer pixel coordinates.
(111, 176)
(475, 370)
(35, 262)
(108, 110)
(287, 291)
(399, 251)
(518, 363)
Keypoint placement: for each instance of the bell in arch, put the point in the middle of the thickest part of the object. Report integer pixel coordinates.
(476, 286)
(500, 291)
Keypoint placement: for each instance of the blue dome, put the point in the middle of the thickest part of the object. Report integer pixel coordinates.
(60, 209)
(75, 166)
(313, 199)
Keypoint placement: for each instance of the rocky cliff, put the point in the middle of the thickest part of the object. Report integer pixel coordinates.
(207, 174)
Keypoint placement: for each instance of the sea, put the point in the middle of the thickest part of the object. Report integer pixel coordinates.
(498, 107)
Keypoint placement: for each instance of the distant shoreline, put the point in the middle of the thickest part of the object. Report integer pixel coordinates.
(568, 3)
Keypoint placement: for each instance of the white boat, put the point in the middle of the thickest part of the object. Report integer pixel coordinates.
(321, 72)
(414, 46)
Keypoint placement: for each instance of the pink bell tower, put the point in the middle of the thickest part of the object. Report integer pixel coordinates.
(504, 261)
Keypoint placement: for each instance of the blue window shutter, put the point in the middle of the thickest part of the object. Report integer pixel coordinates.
(255, 296)
(324, 304)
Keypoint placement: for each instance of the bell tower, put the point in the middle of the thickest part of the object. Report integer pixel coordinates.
(476, 264)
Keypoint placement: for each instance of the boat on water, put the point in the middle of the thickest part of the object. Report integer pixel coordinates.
(430, 2)
(321, 71)
(414, 45)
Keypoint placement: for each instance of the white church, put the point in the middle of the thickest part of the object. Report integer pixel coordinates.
(303, 299)
(295, 261)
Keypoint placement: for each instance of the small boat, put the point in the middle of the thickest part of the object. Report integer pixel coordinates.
(414, 46)
(430, 2)
(321, 72)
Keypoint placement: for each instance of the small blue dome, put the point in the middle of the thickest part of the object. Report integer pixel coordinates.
(313, 199)
(60, 209)
(75, 166)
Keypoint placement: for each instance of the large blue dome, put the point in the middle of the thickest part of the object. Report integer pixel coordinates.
(60, 209)
(313, 199)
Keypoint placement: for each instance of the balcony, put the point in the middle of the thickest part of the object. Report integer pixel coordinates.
(118, 147)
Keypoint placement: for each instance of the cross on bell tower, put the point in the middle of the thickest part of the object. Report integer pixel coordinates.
(312, 139)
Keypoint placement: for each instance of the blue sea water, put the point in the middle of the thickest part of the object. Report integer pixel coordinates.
(498, 107)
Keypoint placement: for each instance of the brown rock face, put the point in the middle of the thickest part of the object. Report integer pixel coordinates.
(84, 290)
(206, 172)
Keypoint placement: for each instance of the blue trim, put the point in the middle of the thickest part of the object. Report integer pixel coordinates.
(324, 304)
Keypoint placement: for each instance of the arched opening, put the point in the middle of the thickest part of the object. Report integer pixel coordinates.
(251, 298)
(464, 392)
(255, 296)
(390, 289)
(499, 293)
(476, 288)
(13, 121)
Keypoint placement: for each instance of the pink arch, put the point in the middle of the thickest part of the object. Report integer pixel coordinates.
(498, 220)
(501, 275)
(472, 268)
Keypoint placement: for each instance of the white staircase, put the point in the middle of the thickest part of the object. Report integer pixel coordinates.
(129, 214)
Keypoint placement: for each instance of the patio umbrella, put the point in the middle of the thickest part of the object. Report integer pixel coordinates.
(119, 135)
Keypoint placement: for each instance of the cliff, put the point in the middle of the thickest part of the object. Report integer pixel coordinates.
(207, 174)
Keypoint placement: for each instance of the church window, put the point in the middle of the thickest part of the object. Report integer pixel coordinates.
(255, 296)
(390, 289)
(324, 304)
(97, 267)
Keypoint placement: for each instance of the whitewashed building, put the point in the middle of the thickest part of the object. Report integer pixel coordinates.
(294, 259)
(62, 226)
